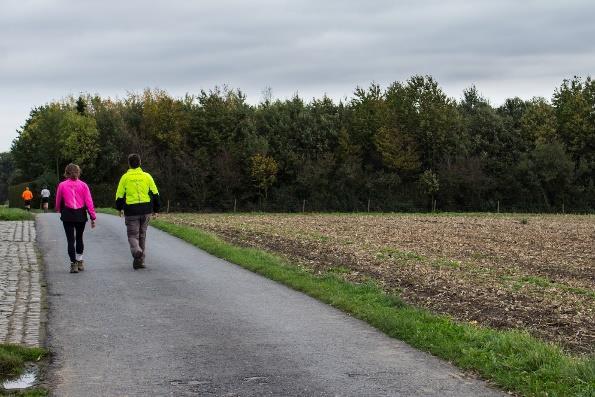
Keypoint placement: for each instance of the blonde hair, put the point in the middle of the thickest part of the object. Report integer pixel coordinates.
(72, 171)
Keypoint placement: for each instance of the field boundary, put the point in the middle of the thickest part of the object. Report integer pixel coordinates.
(512, 360)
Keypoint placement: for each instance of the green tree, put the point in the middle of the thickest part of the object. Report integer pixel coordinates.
(420, 110)
(367, 117)
(79, 143)
(81, 106)
(494, 141)
(6, 171)
(113, 137)
(554, 168)
(38, 146)
(206, 150)
(574, 102)
(397, 150)
(263, 170)
(538, 123)
(429, 184)
(545, 174)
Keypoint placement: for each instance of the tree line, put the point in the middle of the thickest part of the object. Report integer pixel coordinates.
(406, 147)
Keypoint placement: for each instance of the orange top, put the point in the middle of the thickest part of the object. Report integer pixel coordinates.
(27, 195)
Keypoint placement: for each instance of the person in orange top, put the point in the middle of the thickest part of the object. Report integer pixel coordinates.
(27, 197)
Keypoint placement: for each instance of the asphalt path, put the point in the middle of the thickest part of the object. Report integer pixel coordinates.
(195, 325)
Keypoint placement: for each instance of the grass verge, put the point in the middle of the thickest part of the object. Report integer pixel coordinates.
(12, 364)
(15, 214)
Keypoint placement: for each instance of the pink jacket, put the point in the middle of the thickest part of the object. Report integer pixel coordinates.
(75, 194)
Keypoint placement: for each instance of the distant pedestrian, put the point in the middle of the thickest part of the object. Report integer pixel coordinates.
(27, 197)
(45, 198)
(73, 202)
(137, 196)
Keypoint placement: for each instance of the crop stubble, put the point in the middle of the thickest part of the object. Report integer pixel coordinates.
(535, 273)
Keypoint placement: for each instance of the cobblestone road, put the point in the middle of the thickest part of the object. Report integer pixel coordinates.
(20, 284)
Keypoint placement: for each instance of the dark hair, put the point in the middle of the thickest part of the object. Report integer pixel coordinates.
(72, 171)
(134, 160)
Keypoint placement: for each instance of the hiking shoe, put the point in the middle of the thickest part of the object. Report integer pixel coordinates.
(137, 263)
(81, 265)
(74, 267)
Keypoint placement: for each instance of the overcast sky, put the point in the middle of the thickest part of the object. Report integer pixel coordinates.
(53, 48)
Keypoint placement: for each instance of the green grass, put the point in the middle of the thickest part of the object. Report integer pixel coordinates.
(545, 282)
(339, 270)
(12, 364)
(13, 358)
(35, 392)
(15, 214)
(514, 360)
(399, 255)
(105, 210)
(537, 280)
(445, 262)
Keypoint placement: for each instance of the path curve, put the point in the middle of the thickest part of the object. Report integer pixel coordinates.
(192, 324)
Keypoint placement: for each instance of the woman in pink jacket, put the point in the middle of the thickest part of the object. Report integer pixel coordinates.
(73, 201)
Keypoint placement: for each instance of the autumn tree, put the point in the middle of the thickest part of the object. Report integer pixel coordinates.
(209, 148)
(539, 123)
(79, 139)
(263, 170)
(428, 182)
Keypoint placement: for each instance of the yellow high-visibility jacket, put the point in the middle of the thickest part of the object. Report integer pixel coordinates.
(137, 193)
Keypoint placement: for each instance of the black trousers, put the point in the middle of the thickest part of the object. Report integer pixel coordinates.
(74, 235)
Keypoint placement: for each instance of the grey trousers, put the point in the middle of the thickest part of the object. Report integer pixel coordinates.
(136, 229)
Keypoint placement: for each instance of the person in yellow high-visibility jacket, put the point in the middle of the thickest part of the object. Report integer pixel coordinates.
(137, 197)
(27, 196)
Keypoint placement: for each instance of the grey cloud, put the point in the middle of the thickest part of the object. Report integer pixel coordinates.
(52, 48)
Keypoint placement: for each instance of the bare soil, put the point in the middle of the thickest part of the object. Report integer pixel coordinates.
(506, 271)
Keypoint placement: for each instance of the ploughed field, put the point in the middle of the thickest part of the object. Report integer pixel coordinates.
(506, 271)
